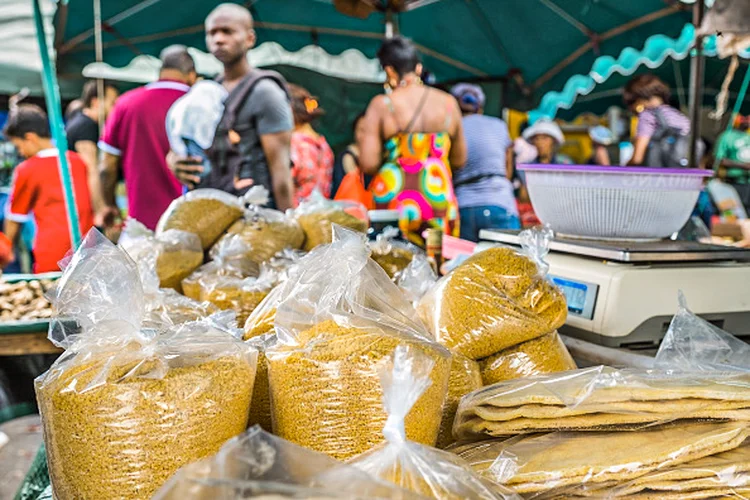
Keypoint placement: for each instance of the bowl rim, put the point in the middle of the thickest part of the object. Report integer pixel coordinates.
(598, 169)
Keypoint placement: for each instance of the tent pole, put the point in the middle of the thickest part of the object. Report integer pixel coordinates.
(697, 66)
(99, 54)
(54, 110)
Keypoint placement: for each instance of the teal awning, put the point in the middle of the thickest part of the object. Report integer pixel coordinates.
(533, 42)
(652, 56)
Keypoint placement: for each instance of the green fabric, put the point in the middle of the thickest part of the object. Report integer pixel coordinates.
(734, 145)
(488, 38)
(15, 411)
(37, 479)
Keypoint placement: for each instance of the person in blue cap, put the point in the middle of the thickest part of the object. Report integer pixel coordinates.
(484, 191)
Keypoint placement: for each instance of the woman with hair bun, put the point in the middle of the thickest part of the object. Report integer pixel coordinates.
(312, 157)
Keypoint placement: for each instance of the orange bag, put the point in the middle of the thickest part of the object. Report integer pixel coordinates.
(352, 188)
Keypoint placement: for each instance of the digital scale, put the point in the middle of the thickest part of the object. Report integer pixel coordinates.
(624, 294)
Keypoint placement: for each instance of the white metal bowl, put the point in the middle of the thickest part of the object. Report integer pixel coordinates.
(620, 203)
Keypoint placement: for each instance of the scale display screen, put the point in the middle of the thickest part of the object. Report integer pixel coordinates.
(581, 297)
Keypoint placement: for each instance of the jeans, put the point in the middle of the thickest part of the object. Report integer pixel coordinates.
(474, 219)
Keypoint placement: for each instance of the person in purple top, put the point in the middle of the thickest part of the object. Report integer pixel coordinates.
(662, 134)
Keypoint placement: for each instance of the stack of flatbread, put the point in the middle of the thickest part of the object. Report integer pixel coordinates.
(674, 461)
(725, 475)
(601, 399)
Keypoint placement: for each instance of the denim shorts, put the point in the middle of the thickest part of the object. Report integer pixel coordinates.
(474, 219)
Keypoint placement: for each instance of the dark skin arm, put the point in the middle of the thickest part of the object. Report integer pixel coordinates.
(277, 150)
(371, 140)
(510, 159)
(108, 169)
(459, 150)
(187, 170)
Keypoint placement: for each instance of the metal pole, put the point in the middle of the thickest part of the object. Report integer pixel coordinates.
(54, 110)
(99, 50)
(697, 65)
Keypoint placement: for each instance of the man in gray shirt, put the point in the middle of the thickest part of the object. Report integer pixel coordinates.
(252, 144)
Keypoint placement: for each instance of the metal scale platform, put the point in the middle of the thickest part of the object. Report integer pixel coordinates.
(624, 294)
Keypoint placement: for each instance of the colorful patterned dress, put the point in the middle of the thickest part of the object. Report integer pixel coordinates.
(416, 180)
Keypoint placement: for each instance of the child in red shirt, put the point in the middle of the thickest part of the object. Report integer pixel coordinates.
(37, 189)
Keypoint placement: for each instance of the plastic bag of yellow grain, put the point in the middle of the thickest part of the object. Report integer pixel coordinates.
(260, 465)
(165, 308)
(204, 212)
(392, 255)
(465, 377)
(265, 231)
(545, 354)
(496, 299)
(125, 407)
(427, 471)
(173, 254)
(317, 214)
(241, 295)
(261, 320)
(338, 320)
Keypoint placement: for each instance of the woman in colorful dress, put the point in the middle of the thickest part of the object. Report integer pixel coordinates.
(412, 139)
(312, 157)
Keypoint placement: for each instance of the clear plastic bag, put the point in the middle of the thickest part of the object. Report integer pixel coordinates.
(206, 213)
(228, 261)
(241, 295)
(601, 398)
(498, 298)
(545, 354)
(265, 231)
(125, 406)
(174, 254)
(317, 214)
(694, 344)
(465, 377)
(725, 475)
(550, 465)
(415, 467)
(392, 255)
(166, 309)
(260, 465)
(417, 278)
(338, 318)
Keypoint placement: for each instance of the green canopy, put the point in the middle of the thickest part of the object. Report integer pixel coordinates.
(537, 44)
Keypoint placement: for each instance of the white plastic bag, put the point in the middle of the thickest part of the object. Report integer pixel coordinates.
(195, 116)
(418, 468)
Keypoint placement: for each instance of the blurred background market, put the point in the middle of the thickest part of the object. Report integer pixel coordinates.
(149, 99)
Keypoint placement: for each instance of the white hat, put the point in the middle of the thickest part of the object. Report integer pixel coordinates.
(547, 127)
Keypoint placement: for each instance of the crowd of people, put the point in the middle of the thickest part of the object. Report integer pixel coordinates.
(432, 155)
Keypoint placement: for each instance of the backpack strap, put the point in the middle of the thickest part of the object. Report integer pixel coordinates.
(232, 105)
(243, 90)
